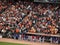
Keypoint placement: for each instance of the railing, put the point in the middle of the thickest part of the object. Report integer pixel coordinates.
(42, 34)
(41, 37)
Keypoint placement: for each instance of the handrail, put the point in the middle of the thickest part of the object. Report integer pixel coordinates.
(42, 34)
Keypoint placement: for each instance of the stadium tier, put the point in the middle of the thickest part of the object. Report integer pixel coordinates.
(18, 18)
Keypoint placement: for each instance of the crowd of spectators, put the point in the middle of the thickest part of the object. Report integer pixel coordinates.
(30, 17)
(3, 5)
